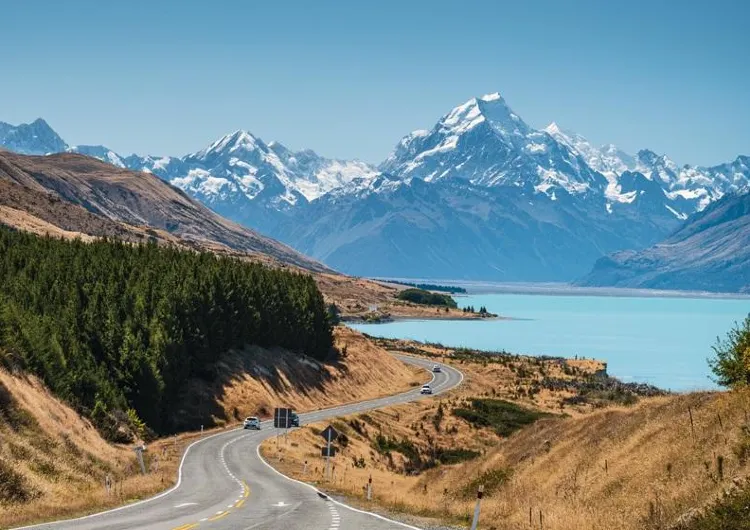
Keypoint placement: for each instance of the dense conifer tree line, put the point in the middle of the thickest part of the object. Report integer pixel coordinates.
(111, 326)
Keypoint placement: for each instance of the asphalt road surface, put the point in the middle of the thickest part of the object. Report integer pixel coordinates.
(225, 484)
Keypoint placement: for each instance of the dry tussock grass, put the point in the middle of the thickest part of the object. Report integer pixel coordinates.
(365, 371)
(636, 467)
(63, 461)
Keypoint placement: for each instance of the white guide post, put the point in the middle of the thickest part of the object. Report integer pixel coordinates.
(477, 509)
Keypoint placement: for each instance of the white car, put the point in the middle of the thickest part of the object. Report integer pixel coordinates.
(426, 389)
(252, 423)
(436, 368)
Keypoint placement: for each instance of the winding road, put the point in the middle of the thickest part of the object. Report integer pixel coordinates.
(225, 484)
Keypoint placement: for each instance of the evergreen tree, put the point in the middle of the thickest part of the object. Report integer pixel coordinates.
(112, 327)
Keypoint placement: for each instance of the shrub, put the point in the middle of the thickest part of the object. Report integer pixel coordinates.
(502, 416)
(491, 479)
(454, 456)
(419, 296)
(732, 362)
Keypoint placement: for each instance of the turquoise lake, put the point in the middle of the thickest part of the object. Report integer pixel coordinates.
(661, 341)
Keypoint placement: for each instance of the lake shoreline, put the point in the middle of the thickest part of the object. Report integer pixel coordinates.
(403, 318)
(480, 287)
(664, 342)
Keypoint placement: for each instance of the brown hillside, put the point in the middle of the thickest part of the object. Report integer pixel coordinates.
(610, 467)
(70, 195)
(53, 463)
(127, 198)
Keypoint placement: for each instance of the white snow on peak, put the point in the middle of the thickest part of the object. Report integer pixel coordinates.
(462, 118)
(607, 160)
(491, 97)
(238, 140)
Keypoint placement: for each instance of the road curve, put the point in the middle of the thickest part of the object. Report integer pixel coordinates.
(224, 484)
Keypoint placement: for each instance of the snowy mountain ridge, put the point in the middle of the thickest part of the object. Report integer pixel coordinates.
(481, 195)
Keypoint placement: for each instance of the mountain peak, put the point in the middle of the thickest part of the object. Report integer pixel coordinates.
(494, 96)
(239, 140)
(35, 138)
(40, 122)
(553, 128)
(491, 109)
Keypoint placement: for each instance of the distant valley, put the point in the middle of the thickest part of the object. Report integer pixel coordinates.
(481, 195)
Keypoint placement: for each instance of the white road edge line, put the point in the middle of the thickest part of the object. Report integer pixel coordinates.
(351, 508)
(182, 462)
(144, 501)
(376, 515)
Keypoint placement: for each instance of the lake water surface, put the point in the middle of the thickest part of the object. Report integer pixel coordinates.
(661, 341)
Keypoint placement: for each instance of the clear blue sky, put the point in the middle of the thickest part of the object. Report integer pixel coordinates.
(349, 79)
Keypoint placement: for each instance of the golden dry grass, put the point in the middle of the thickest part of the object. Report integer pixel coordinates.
(622, 468)
(64, 461)
(366, 371)
(416, 422)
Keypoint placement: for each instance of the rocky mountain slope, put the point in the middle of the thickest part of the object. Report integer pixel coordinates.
(710, 252)
(82, 194)
(481, 195)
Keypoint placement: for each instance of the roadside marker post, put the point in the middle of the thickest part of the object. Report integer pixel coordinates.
(139, 453)
(108, 484)
(478, 507)
(304, 468)
(328, 455)
(369, 488)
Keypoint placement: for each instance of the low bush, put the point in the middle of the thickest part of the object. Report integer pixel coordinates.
(455, 456)
(491, 479)
(502, 416)
(419, 296)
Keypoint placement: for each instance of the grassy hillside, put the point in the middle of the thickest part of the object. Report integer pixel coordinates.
(81, 194)
(53, 462)
(602, 458)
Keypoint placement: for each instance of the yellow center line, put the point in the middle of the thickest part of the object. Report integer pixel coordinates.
(186, 526)
(247, 490)
(239, 503)
(219, 516)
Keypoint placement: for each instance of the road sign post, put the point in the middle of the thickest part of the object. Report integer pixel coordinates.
(282, 419)
(329, 434)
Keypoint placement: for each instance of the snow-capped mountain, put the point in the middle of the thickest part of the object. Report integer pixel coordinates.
(35, 138)
(100, 152)
(485, 143)
(481, 195)
(688, 188)
(240, 168)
